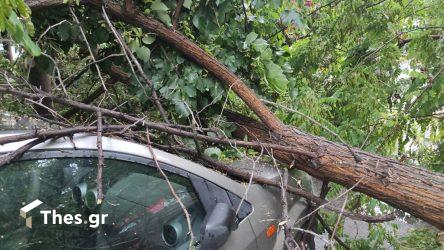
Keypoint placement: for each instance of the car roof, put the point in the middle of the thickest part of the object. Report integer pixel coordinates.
(89, 142)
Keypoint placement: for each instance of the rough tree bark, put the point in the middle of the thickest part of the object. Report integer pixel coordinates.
(41, 80)
(409, 188)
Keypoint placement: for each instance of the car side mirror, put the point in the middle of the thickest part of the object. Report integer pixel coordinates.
(217, 226)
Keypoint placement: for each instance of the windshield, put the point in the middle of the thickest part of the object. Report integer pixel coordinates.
(140, 211)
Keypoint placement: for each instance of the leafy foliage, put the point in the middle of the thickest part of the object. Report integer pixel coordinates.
(420, 239)
(10, 21)
(371, 71)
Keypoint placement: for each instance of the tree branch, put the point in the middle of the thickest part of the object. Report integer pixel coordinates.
(8, 158)
(330, 232)
(89, 47)
(46, 134)
(101, 158)
(185, 211)
(152, 125)
(127, 52)
(177, 13)
(245, 175)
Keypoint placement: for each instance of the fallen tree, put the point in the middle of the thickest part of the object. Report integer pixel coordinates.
(41, 136)
(412, 189)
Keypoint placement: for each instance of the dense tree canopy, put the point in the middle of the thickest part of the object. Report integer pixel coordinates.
(370, 71)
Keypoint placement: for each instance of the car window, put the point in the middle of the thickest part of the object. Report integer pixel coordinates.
(141, 211)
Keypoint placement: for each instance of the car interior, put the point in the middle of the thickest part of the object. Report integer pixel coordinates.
(142, 212)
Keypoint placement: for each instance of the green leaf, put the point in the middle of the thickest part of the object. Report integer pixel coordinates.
(63, 32)
(258, 3)
(213, 152)
(190, 90)
(276, 3)
(31, 46)
(133, 45)
(249, 39)
(291, 17)
(276, 77)
(181, 108)
(143, 53)
(19, 34)
(148, 39)
(260, 45)
(159, 6)
(187, 4)
(164, 17)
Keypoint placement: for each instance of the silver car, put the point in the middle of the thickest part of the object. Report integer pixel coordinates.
(138, 210)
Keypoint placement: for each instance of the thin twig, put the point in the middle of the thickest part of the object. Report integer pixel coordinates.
(59, 76)
(81, 71)
(324, 191)
(429, 85)
(101, 158)
(355, 156)
(49, 28)
(8, 158)
(62, 124)
(312, 233)
(245, 16)
(185, 211)
(52, 111)
(250, 181)
(330, 232)
(46, 134)
(338, 221)
(89, 47)
(177, 13)
(329, 202)
(288, 239)
(127, 52)
(323, 6)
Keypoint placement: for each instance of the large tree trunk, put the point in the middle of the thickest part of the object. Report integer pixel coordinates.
(411, 189)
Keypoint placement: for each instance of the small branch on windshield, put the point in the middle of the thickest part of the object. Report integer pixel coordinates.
(47, 134)
(8, 158)
(101, 158)
(288, 241)
(185, 211)
(250, 181)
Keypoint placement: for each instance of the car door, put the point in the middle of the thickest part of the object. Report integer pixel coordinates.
(141, 212)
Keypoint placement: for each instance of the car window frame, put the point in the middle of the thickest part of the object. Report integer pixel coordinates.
(207, 192)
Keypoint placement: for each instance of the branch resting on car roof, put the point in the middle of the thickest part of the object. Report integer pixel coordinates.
(42, 136)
